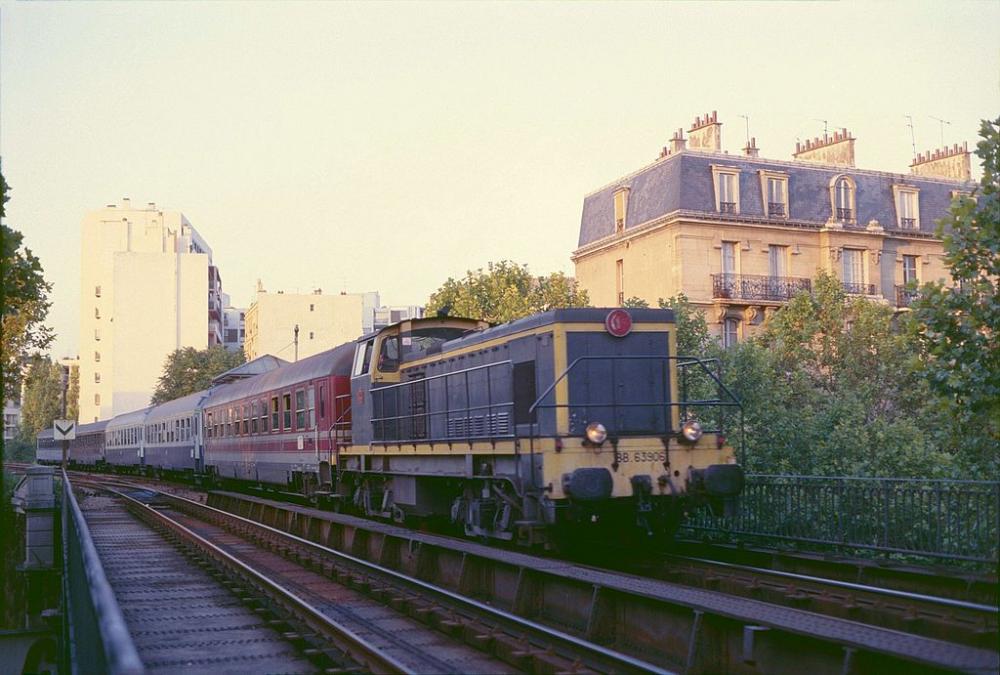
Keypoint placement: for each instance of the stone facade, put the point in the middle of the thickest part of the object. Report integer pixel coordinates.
(740, 234)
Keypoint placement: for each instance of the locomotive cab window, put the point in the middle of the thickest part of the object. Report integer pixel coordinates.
(388, 356)
(363, 357)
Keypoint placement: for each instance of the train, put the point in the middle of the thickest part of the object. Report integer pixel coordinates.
(569, 421)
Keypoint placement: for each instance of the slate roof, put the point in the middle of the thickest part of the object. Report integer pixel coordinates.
(683, 182)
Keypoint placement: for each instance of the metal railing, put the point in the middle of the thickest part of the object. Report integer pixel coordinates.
(905, 296)
(855, 288)
(946, 519)
(908, 223)
(96, 637)
(727, 207)
(776, 209)
(488, 420)
(758, 287)
(709, 411)
(846, 215)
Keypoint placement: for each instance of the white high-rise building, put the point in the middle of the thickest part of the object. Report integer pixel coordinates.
(148, 287)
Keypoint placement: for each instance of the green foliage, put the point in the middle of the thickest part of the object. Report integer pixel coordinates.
(504, 292)
(832, 386)
(693, 337)
(42, 400)
(958, 326)
(189, 370)
(25, 303)
(635, 302)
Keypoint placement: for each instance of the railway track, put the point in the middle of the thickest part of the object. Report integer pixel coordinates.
(382, 620)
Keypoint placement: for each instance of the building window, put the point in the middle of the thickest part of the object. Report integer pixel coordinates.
(97, 313)
(842, 193)
(97, 291)
(777, 259)
(774, 186)
(729, 257)
(97, 334)
(311, 307)
(909, 268)
(620, 281)
(287, 409)
(907, 207)
(97, 357)
(97, 399)
(97, 378)
(621, 208)
(310, 335)
(853, 270)
(730, 332)
(726, 181)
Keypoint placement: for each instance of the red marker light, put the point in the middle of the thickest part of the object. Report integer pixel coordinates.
(618, 322)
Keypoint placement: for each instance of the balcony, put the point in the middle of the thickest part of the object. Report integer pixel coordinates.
(854, 288)
(758, 287)
(845, 215)
(905, 296)
(908, 223)
(776, 209)
(727, 207)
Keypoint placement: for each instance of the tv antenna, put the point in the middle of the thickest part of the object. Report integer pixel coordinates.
(826, 125)
(746, 118)
(913, 140)
(941, 123)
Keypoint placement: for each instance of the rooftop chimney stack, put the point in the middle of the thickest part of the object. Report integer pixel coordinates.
(953, 163)
(705, 134)
(837, 150)
(752, 150)
(677, 144)
(126, 203)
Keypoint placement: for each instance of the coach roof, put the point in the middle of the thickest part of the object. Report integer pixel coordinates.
(185, 405)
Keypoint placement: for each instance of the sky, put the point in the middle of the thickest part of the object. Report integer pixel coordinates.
(385, 146)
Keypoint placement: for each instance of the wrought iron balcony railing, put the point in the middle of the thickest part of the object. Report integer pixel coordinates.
(854, 288)
(846, 215)
(908, 223)
(727, 207)
(905, 296)
(776, 209)
(757, 287)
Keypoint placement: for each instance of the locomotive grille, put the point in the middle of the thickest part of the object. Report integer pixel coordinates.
(496, 424)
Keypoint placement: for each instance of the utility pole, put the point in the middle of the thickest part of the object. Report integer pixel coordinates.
(64, 379)
(296, 341)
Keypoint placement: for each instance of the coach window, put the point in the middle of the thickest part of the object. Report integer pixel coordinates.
(263, 415)
(312, 407)
(253, 417)
(286, 408)
(322, 403)
(300, 409)
(246, 419)
(274, 413)
(208, 424)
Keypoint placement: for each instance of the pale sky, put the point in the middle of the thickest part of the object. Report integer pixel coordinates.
(388, 146)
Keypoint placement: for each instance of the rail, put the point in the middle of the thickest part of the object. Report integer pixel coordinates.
(905, 296)
(96, 637)
(758, 287)
(941, 519)
(489, 419)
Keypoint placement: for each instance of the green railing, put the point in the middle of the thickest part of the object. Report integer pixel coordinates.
(944, 519)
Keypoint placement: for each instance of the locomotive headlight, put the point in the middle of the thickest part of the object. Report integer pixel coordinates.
(596, 433)
(691, 430)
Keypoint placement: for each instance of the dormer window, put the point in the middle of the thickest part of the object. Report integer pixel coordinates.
(621, 209)
(727, 189)
(842, 196)
(907, 207)
(774, 188)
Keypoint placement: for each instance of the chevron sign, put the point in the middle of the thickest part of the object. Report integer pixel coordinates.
(63, 430)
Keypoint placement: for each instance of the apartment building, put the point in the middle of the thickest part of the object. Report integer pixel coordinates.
(739, 235)
(148, 287)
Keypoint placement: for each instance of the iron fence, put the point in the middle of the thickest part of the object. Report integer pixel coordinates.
(855, 288)
(96, 637)
(944, 519)
(905, 296)
(758, 287)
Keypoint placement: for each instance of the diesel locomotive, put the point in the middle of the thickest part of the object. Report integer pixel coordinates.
(570, 420)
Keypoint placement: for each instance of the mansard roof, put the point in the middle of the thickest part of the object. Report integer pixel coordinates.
(683, 182)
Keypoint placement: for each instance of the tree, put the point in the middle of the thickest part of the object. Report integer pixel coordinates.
(693, 338)
(189, 370)
(504, 292)
(25, 303)
(635, 302)
(959, 326)
(42, 401)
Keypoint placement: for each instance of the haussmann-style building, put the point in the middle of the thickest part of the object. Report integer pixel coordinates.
(739, 235)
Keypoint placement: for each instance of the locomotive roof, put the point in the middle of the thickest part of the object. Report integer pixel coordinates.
(336, 361)
(185, 404)
(570, 315)
(127, 419)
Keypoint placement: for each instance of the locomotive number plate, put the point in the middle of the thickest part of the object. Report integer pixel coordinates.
(636, 456)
